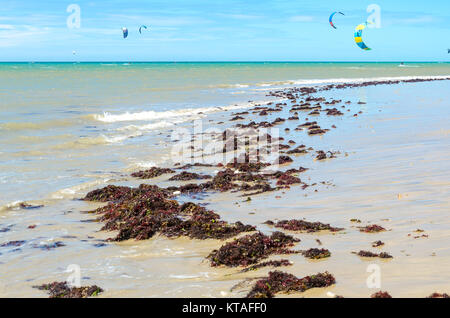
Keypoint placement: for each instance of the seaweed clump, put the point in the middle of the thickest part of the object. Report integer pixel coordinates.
(284, 160)
(63, 290)
(372, 229)
(277, 263)
(114, 193)
(250, 249)
(304, 226)
(190, 165)
(142, 216)
(109, 193)
(185, 176)
(438, 295)
(298, 150)
(278, 282)
(227, 179)
(316, 253)
(377, 244)
(247, 165)
(381, 294)
(151, 173)
(322, 155)
(286, 179)
(370, 254)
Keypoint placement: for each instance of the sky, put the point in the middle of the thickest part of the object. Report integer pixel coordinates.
(223, 30)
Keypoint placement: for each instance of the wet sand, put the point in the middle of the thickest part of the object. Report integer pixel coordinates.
(392, 170)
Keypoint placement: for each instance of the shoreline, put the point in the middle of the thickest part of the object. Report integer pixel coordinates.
(320, 85)
(310, 106)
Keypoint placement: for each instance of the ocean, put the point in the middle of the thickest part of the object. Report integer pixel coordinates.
(68, 128)
(66, 124)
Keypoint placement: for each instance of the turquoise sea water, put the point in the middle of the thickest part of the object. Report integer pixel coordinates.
(61, 122)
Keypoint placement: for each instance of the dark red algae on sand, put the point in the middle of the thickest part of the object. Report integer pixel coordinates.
(370, 254)
(151, 173)
(277, 263)
(63, 290)
(316, 253)
(247, 166)
(109, 193)
(286, 179)
(113, 193)
(322, 155)
(185, 176)
(283, 160)
(381, 294)
(150, 212)
(438, 295)
(298, 150)
(278, 282)
(227, 179)
(377, 244)
(372, 229)
(250, 249)
(303, 226)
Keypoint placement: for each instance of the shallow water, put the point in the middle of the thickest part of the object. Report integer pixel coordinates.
(86, 120)
(392, 171)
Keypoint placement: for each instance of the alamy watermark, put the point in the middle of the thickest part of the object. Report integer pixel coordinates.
(374, 279)
(374, 19)
(74, 279)
(74, 19)
(213, 146)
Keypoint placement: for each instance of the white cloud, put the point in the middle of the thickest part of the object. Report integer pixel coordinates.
(6, 27)
(17, 35)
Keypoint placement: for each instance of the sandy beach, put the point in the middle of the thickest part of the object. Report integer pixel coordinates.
(375, 152)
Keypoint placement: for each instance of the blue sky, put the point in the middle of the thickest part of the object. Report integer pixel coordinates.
(231, 30)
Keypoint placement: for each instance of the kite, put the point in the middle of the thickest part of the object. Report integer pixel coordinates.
(125, 32)
(142, 27)
(358, 37)
(331, 18)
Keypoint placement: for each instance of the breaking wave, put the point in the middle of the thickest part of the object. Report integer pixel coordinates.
(154, 115)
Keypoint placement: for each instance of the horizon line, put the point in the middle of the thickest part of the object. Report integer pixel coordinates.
(218, 61)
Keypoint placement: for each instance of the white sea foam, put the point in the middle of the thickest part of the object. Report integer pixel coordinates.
(145, 165)
(147, 127)
(154, 115)
(86, 142)
(230, 86)
(190, 112)
(344, 80)
(10, 206)
(365, 79)
(76, 191)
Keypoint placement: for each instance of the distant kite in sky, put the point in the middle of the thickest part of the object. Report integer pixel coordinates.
(125, 32)
(331, 18)
(142, 27)
(358, 37)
